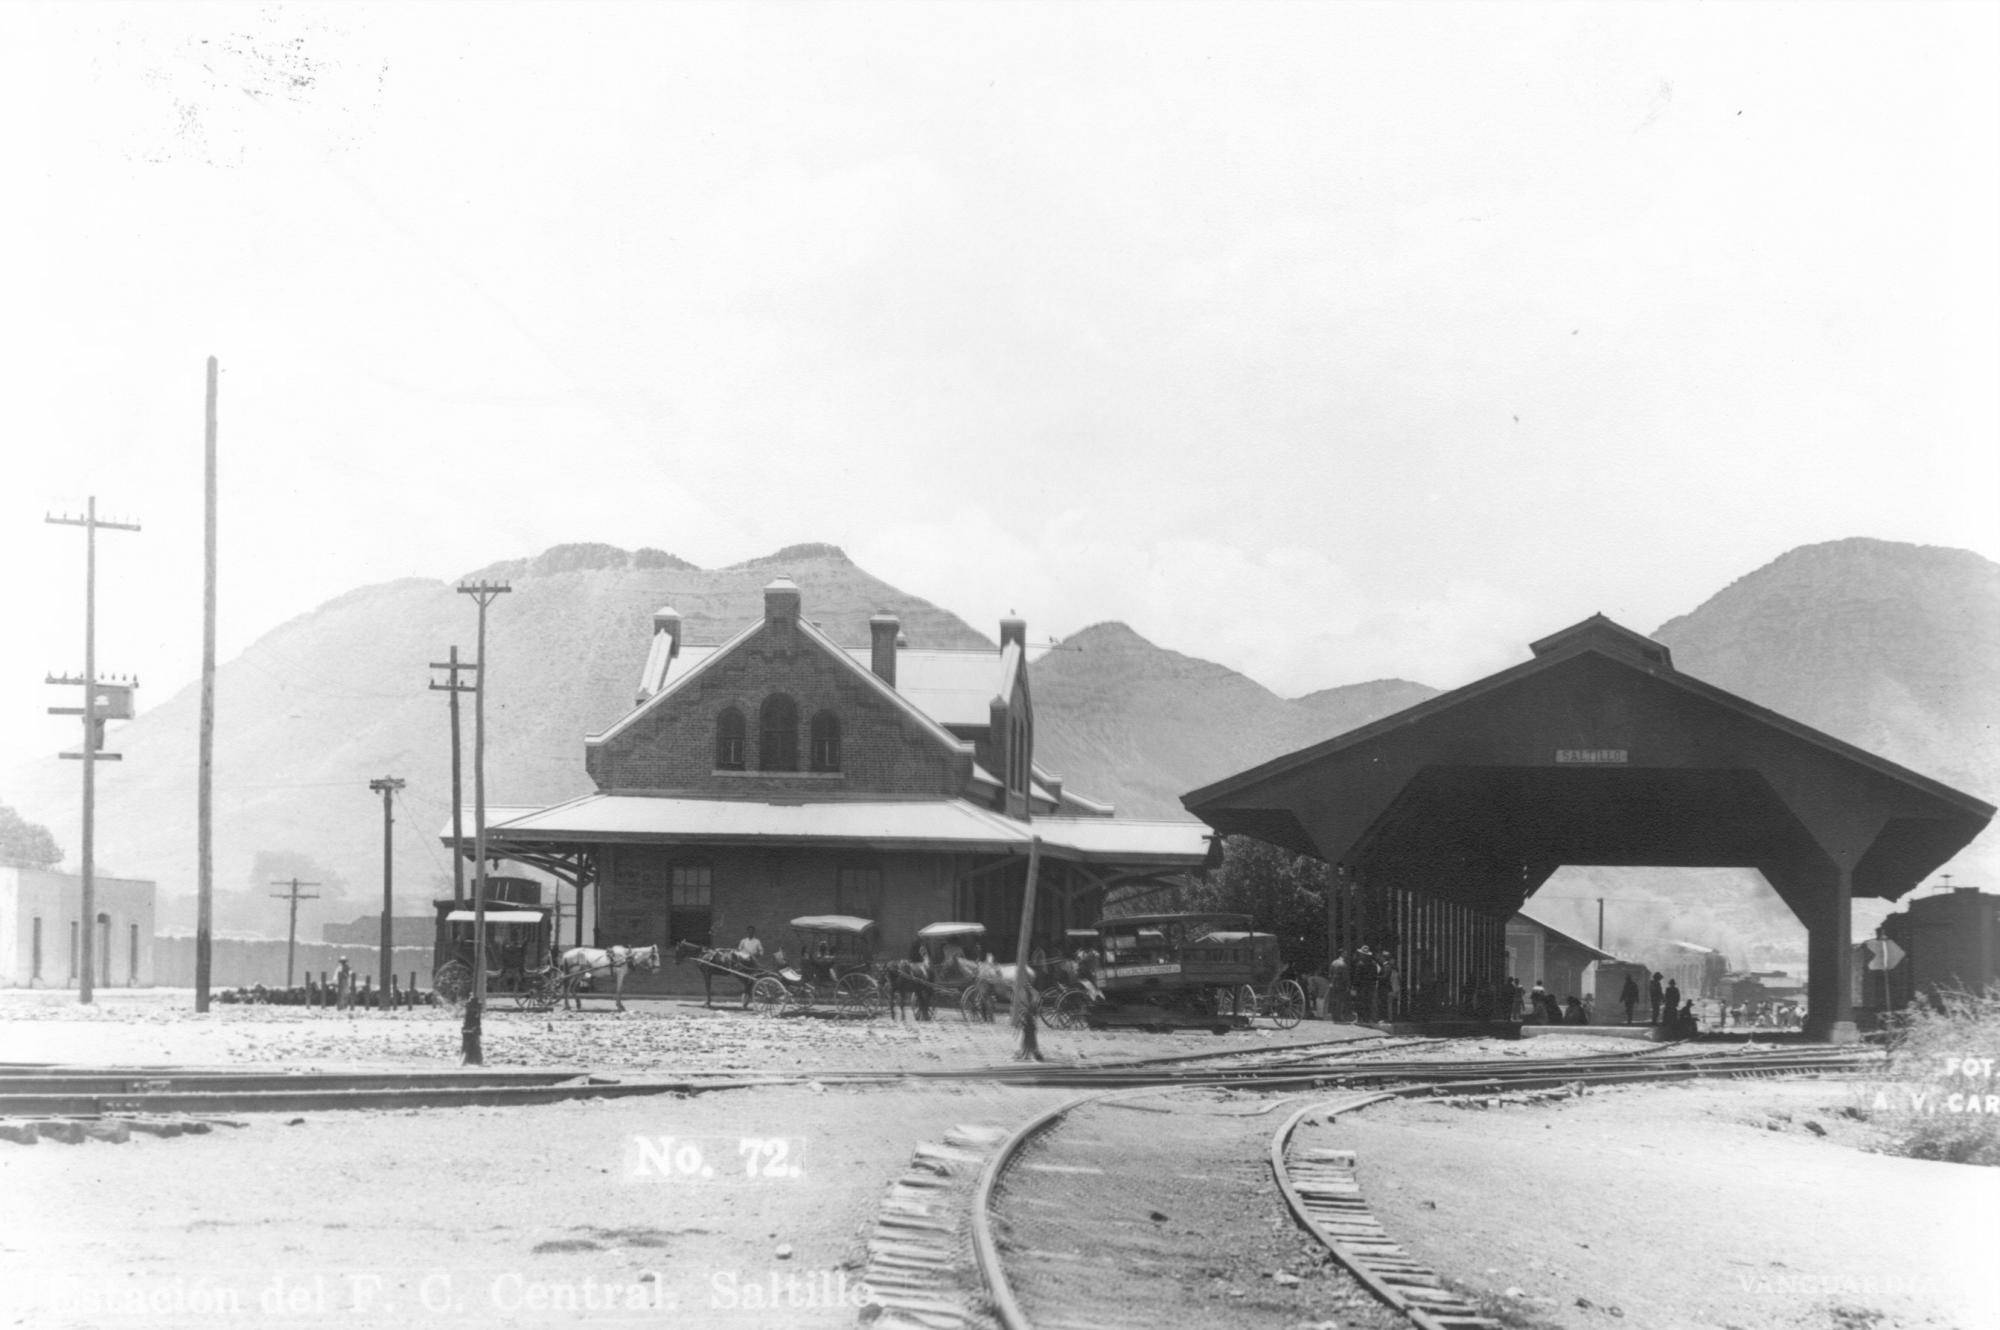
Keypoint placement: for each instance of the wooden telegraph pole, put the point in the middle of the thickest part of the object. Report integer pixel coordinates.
(453, 688)
(484, 594)
(292, 934)
(94, 715)
(204, 855)
(1029, 1048)
(387, 787)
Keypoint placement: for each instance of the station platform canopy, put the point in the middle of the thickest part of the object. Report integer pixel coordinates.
(1597, 751)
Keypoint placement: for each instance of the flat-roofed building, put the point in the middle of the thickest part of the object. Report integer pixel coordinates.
(41, 929)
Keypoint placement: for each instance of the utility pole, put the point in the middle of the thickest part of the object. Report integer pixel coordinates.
(453, 687)
(1600, 923)
(484, 594)
(292, 934)
(387, 787)
(93, 719)
(204, 854)
(1029, 1048)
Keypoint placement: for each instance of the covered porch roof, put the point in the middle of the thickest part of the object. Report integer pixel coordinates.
(946, 825)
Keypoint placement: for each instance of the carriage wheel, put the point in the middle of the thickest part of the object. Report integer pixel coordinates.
(859, 995)
(1245, 998)
(768, 996)
(1072, 1009)
(803, 997)
(1049, 1006)
(1288, 1003)
(975, 1004)
(452, 983)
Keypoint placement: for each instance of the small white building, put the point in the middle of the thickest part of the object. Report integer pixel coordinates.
(41, 924)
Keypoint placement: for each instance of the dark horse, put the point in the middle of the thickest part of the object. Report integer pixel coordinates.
(910, 979)
(713, 961)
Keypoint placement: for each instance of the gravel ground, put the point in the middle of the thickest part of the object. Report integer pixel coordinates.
(1707, 1205)
(468, 1217)
(154, 1026)
(1683, 1206)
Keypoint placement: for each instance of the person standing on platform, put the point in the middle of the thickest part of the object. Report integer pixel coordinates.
(1576, 1015)
(1366, 974)
(1538, 1003)
(1673, 1002)
(1629, 997)
(1654, 996)
(1340, 989)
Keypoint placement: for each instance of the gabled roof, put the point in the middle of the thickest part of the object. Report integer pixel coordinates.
(677, 679)
(1596, 635)
(1564, 938)
(953, 687)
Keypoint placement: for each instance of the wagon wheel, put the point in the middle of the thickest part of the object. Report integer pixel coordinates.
(768, 996)
(859, 994)
(975, 1004)
(453, 982)
(1072, 1009)
(1288, 1003)
(1049, 1006)
(1245, 999)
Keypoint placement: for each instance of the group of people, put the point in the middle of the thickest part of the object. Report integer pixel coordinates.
(1360, 990)
(1664, 1006)
(1538, 1006)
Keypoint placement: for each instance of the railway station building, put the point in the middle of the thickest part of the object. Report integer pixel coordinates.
(1440, 820)
(781, 773)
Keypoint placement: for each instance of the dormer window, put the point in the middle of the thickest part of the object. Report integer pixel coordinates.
(779, 722)
(826, 742)
(729, 743)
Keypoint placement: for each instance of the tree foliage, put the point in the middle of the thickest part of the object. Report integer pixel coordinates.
(1284, 893)
(26, 844)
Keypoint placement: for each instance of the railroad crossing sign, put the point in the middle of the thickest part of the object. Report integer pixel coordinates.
(1883, 954)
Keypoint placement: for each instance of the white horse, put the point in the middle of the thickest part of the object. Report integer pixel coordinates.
(990, 983)
(579, 963)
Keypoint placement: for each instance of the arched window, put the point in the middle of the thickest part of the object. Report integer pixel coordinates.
(826, 742)
(729, 740)
(779, 721)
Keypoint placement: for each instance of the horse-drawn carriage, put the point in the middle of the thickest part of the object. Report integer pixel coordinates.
(1185, 969)
(519, 961)
(522, 960)
(955, 969)
(836, 961)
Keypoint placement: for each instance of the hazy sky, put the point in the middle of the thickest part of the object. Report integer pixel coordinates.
(1326, 341)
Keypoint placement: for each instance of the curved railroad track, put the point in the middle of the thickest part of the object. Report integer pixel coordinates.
(1072, 1211)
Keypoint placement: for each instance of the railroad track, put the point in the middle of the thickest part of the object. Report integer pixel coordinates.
(54, 1091)
(1317, 1188)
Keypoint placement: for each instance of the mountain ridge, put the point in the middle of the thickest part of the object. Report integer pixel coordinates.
(1892, 647)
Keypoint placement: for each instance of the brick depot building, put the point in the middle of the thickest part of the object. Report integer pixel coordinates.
(781, 774)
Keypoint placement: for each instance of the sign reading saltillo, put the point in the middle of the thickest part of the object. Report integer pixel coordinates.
(1595, 751)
